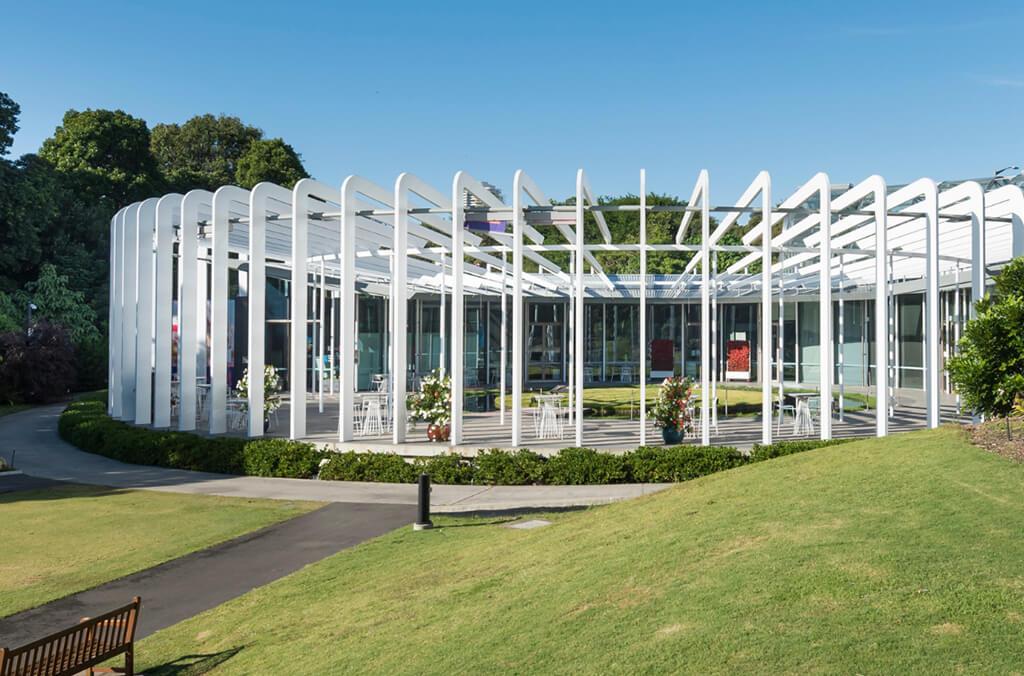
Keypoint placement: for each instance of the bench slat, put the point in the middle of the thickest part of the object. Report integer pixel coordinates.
(69, 651)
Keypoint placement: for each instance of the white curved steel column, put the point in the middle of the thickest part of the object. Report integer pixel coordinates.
(764, 179)
(826, 356)
(302, 206)
(115, 404)
(259, 199)
(130, 311)
(167, 210)
(193, 204)
(223, 199)
(144, 314)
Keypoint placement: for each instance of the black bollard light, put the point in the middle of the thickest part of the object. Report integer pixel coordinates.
(423, 521)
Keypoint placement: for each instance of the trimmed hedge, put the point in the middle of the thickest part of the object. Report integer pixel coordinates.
(352, 466)
(86, 425)
(656, 464)
(780, 448)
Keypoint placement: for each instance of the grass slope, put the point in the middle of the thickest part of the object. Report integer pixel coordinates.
(62, 540)
(900, 555)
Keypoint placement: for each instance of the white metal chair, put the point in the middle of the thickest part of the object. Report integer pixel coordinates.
(202, 398)
(803, 421)
(373, 422)
(781, 406)
(535, 418)
(551, 420)
(236, 417)
(626, 374)
(694, 409)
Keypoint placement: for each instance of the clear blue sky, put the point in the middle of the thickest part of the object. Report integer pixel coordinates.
(901, 89)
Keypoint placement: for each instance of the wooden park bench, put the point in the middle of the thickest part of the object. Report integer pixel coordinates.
(92, 641)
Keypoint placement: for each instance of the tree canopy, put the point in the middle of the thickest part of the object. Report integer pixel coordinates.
(55, 207)
(209, 151)
(9, 111)
(104, 155)
(269, 160)
(202, 152)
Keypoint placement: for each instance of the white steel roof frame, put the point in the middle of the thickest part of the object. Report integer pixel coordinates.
(959, 220)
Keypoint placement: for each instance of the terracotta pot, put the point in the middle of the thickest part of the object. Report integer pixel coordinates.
(439, 432)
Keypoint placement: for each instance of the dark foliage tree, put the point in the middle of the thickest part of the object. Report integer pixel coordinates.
(37, 366)
(9, 111)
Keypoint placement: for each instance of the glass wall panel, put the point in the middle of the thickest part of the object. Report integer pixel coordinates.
(691, 366)
(910, 340)
(474, 352)
(855, 342)
(789, 353)
(371, 343)
(428, 337)
(545, 342)
(807, 334)
(494, 342)
(622, 331)
(593, 341)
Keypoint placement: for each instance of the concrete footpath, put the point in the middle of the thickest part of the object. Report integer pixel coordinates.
(186, 586)
(41, 453)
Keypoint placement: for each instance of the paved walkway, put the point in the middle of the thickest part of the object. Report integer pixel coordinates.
(186, 586)
(41, 453)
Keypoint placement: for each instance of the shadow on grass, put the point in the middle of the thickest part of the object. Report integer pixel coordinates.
(500, 516)
(193, 665)
(23, 487)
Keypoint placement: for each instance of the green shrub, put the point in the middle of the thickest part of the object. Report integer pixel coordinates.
(652, 464)
(586, 466)
(496, 467)
(282, 458)
(780, 448)
(352, 466)
(86, 425)
(447, 468)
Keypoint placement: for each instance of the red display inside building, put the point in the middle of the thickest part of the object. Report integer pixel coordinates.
(737, 354)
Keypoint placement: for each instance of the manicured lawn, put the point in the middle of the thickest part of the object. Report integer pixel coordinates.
(62, 540)
(900, 555)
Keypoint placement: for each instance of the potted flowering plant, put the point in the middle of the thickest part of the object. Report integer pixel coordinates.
(671, 410)
(432, 404)
(271, 386)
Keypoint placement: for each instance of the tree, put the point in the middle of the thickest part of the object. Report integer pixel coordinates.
(30, 214)
(105, 157)
(36, 367)
(269, 160)
(989, 370)
(203, 152)
(61, 305)
(9, 111)
(9, 319)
